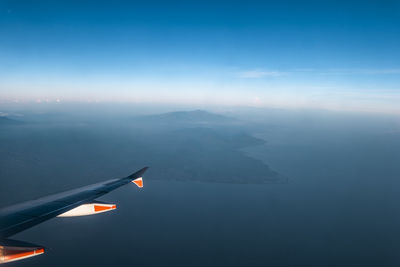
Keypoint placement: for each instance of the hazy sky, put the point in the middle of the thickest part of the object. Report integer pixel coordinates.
(314, 54)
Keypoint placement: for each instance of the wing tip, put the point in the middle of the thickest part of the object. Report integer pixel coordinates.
(137, 177)
(138, 174)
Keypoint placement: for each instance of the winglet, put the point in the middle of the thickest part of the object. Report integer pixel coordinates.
(138, 182)
(137, 177)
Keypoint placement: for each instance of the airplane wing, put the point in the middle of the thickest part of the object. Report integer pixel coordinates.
(77, 202)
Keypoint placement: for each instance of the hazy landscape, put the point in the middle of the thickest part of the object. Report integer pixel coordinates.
(271, 130)
(188, 146)
(250, 186)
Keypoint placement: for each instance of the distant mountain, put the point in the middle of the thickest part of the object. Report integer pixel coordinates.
(4, 121)
(191, 117)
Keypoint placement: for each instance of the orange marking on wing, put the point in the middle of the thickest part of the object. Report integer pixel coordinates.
(98, 208)
(39, 251)
(138, 182)
(16, 255)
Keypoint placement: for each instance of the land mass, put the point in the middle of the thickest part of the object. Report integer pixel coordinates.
(194, 146)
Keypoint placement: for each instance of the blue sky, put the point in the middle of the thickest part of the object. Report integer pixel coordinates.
(341, 55)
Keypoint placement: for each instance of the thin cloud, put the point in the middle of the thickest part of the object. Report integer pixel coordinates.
(360, 71)
(382, 71)
(304, 70)
(257, 74)
(254, 74)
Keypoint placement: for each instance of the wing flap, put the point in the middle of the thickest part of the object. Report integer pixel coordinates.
(13, 250)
